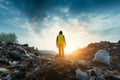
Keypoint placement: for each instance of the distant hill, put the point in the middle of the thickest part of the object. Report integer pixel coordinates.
(47, 52)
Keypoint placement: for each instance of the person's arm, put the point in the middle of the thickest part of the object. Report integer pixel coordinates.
(64, 40)
(57, 41)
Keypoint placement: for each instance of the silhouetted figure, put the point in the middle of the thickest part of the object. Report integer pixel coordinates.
(61, 43)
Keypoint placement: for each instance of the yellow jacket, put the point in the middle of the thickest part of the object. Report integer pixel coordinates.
(60, 40)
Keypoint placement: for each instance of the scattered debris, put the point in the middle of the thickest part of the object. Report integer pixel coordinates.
(81, 74)
(21, 62)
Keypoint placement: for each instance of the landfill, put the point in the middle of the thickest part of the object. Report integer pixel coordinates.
(22, 62)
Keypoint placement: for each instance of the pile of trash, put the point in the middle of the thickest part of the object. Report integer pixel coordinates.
(97, 61)
(16, 60)
(64, 69)
(89, 63)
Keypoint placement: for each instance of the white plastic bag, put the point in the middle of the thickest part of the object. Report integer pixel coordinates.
(102, 56)
(81, 74)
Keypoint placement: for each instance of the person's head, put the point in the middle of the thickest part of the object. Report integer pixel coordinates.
(60, 32)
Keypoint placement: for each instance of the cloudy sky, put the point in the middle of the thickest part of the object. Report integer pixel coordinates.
(38, 22)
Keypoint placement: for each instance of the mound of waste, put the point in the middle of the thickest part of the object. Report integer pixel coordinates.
(97, 61)
(16, 60)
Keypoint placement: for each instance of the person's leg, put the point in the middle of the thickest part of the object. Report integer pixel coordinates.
(59, 51)
(62, 51)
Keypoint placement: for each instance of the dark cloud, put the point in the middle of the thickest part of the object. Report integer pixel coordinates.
(92, 6)
(37, 10)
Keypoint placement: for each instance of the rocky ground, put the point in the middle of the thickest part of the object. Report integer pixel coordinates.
(21, 62)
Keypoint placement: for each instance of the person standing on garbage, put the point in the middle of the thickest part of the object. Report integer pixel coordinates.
(61, 43)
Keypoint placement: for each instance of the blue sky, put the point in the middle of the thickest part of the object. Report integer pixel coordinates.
(38, 22)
